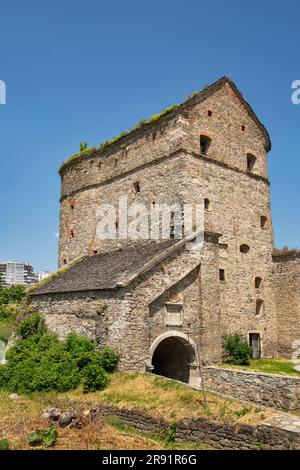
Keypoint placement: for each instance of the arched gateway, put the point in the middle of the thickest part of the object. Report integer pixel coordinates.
(174, 355)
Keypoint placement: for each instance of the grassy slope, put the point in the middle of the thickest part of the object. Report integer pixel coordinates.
(153, 395)
(20, 418)
(271, 366)
(158, 396)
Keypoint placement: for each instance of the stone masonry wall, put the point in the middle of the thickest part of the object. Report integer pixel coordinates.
(203, 430)
(287, 295)
(271, 390)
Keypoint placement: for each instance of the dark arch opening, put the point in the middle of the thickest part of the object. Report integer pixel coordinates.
(172, 358)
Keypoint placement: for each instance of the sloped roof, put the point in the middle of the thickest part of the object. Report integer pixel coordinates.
(108, 270)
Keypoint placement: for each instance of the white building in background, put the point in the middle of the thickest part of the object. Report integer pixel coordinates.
(43, 275)
(19, 272)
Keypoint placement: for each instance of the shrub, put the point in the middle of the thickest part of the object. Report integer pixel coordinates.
(35, 324)
(48, 437)
(11, 295)
(94, 378)
(39, 361)
(4, 444)
(108, 359)
(237, 350)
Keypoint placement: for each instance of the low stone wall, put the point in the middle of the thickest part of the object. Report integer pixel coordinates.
(218, 435)
(271, 390)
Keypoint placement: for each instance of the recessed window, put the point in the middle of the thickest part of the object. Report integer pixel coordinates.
(259, 306)
(72, 234)
(243, 128)
(258, 282)
(263, 222)
(204, 144)
(136, 186)
(209, 112)
(251, 160)
(206, 204)
(222, 274)
(244, 248)
(255, 343)
(64, 261)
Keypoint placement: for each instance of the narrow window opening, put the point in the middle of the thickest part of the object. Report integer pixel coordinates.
(259, 306)
(204, 144)
(209, 112)
(243, 128)
(206, 204)
(258, 282)
(222, 274)
(244, 248)
(251, 160)
(172, 225)
(72, 234)
(64, 261)
(136, 186)
(263, 222)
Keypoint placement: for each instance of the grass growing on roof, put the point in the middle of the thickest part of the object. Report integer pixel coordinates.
(86, 152)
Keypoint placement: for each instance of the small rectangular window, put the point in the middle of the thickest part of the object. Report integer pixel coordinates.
(204, 144)
(222, 274)
(259, 306)
(136, 186)
(251, 160)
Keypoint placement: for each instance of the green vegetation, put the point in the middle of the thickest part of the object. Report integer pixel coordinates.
(4, 444)
(83, 146)
(46, 437)
(236, 350)
(9, 299)
(85, 151)
(270, 366)
(39, 361)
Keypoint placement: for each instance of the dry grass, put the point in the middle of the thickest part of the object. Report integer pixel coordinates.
(154, 395)
(20, 418)
(162, 397)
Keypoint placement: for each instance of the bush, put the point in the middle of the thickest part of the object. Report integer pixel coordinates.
(11, 295)
(39, 361)
(94, 378)
(237, 350)
(108, 359)
(35, 324)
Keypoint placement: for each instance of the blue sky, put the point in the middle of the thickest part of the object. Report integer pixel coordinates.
(87, 70)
